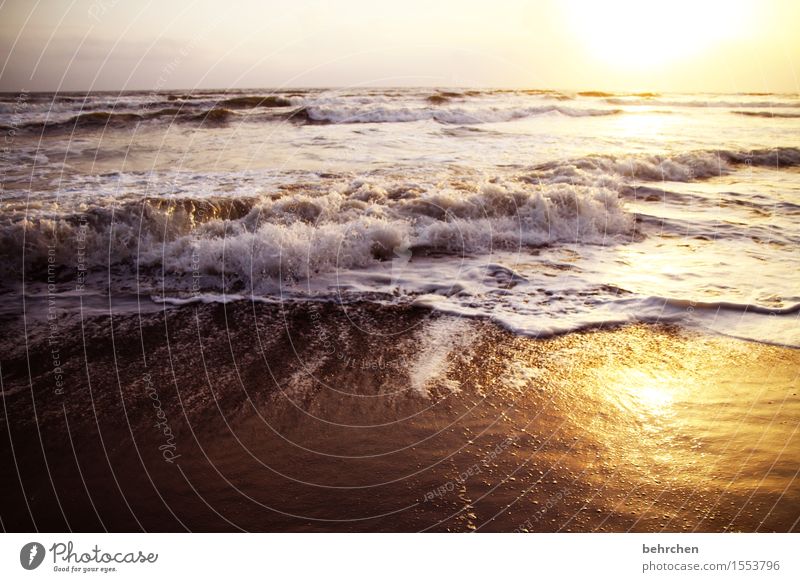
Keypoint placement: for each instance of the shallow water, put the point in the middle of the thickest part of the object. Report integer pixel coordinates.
(363, 418)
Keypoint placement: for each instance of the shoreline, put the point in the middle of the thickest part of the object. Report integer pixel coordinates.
(312, 417)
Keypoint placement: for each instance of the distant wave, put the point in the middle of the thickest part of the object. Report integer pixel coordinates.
(761, 205)
(102, 119)
(767, 114)
(212, 116)
(728, 306)
(98, 119)
(447, 106)
(710, 103)
(268, 109)
(255, 101)
(449, 115)
(644, 95)
(462, 131)
(595, 94)
(716, 229)
(443, 97)
(682, 167)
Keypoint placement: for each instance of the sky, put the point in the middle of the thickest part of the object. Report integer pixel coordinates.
(610, 45)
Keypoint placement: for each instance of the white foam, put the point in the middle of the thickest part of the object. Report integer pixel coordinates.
(347, 113)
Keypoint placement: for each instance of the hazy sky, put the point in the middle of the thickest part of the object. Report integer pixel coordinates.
(679, 45)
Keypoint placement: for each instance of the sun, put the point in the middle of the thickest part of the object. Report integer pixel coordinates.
(636, 34)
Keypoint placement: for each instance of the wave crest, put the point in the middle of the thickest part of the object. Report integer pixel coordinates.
(448, 115)
(684, 167)
(300, 234)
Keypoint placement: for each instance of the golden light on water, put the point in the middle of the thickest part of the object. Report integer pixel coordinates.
(647, 121)
(656, 397)
(647, 396)
(694, 419)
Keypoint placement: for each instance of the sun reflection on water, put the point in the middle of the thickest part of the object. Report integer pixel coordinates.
(649, 395)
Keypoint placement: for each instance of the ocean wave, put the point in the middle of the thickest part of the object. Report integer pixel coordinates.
(211, 116)
(577, 201)
(751, 321)
(757, 204)
(122, 231)
(448, 107)
(681, 167)
(715, 229)
(604, 94)
(716, 306)
(298, 235)
(98, 119)
(709, 103)
(768, 114)
(255, 101)
(595, 94)
(441, 97)
(451, 115)
(467, 131)
(438, 99)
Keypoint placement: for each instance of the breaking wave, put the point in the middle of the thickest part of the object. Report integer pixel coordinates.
(300, 234)
(255, 101)
(449, 115)
(277, 109)
(683, 167)
(54, 113)
(694, 103)
(767, 114)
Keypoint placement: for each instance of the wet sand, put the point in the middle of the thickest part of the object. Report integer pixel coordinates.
(356, 417)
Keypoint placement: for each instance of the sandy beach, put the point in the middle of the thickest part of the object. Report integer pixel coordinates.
(356, 417)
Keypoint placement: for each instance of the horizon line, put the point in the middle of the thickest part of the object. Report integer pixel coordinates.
(600, 92)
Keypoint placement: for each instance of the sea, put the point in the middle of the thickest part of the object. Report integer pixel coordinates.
(544, 211)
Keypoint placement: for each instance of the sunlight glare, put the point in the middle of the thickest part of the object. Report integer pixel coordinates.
(634, 34)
